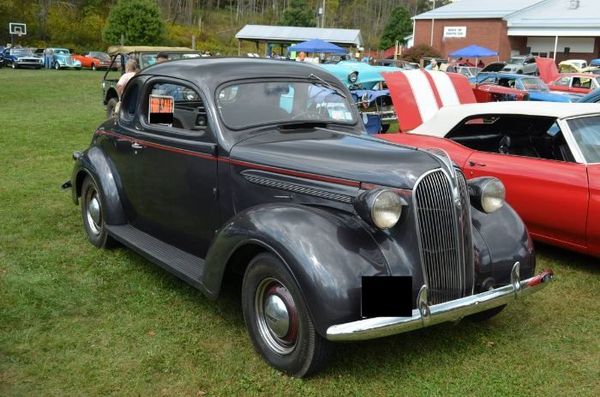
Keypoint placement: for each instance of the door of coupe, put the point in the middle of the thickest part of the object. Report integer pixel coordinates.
(550, 195)
(175, 193)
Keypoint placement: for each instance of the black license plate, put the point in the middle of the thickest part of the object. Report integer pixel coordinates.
(387, 296)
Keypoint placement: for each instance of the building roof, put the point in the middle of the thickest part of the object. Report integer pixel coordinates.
(293, 34)
(468, 9)
(552, 17)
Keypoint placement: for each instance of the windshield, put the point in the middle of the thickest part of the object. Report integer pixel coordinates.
(61, 51)
(21, 52)
(586, 131)
(103, 56)
(150, 59)
(245, 105)
(469, 72)
(533, 84)
(516, 60)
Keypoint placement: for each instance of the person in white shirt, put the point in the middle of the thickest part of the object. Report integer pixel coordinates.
(131, 68)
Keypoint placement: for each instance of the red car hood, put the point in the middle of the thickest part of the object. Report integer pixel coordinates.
(418, 94)
(547, 69)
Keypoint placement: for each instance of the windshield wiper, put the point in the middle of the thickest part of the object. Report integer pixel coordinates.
(327, 84)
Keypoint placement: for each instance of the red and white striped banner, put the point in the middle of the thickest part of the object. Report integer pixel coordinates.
(418, 94)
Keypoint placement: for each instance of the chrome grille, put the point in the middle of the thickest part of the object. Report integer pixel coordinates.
(443, 215)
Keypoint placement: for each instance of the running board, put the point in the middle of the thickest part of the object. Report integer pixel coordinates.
(186, 266)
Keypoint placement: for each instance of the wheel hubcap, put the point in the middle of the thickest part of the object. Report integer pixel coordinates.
(94, 212)
(94, 209)
(277, 316)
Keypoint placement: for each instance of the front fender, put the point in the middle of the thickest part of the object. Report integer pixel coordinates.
(94, 163)
(326, 251)
(500, 239)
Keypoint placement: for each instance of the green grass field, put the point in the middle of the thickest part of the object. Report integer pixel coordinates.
(78, 321)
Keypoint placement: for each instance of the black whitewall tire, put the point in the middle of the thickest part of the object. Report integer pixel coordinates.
(93, 216)
(277, 319)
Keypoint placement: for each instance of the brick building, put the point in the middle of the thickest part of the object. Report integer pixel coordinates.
(560, 29)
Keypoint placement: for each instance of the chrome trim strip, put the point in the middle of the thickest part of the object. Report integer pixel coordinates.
(297, 188)
(425, 316)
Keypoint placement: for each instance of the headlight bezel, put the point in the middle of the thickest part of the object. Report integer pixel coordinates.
(487, 194)
(370, 204)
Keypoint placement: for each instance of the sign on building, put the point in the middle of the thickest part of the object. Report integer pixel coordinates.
(451, 32)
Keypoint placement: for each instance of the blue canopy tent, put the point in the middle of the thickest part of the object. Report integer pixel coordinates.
(317, 45)
(473, 51)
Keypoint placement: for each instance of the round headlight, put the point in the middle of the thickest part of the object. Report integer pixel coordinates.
(353, 77)
(386, 209)
(492, 195)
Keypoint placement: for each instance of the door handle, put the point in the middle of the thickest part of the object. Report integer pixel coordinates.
(475, 164)
(136, 146)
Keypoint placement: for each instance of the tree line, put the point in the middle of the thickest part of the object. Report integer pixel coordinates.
(83, 24)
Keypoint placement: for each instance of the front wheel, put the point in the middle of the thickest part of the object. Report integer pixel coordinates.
(93, 66)
(56, 66)
(277, 319)
(14, 66)
(93, 215)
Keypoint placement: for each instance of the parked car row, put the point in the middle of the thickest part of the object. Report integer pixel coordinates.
(53, 58)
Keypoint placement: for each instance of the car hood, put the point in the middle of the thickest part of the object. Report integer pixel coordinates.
(334, 154)
(550, 96)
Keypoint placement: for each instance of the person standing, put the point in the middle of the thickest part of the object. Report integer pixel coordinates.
(162, 57)
(131, 68)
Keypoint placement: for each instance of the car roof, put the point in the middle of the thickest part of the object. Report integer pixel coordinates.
(118, 49)
(448, 117)
(216, 70)
(511, 75)
(587, 75)
(592, 97)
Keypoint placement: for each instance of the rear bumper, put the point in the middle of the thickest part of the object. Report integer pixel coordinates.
(425, 315)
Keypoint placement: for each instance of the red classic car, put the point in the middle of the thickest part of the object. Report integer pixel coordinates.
(546, 154)
(94, 60)
(489, 90)
(580, 83)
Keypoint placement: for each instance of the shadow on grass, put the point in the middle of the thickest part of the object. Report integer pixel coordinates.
(227, 305)
(580, 262)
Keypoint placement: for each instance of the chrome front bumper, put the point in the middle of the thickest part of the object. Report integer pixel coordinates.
(425, 315)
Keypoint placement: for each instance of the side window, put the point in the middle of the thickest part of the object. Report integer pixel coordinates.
(519, 85)
(176, 107)
(586, 83)
(129, 102)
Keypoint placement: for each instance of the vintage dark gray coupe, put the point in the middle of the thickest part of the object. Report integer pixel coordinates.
(263, 169)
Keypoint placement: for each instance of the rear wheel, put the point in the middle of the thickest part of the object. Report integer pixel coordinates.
(277, 319)
(93, 215)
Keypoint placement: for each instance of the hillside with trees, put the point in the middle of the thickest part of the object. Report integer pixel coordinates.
(88, 24)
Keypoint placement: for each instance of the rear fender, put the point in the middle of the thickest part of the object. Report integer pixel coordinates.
(326, 253)
(95, 164)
